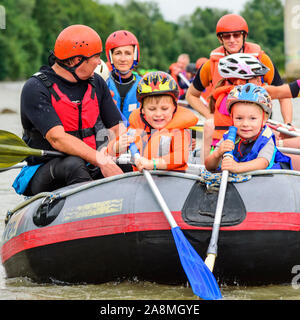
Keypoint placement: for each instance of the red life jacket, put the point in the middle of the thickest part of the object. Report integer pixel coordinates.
(78, 118)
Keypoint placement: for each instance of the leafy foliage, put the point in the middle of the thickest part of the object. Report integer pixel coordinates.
(33, 25)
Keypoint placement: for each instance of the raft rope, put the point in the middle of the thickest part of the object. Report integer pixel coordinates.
(211, 180)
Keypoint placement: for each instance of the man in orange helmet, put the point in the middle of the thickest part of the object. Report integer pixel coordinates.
(64, 107)
(232, 31)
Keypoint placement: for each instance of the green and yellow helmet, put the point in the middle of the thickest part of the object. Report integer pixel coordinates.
(157, 83)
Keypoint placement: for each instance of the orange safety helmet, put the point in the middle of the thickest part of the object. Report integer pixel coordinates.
(77, 40)
(231, 23)
(122, 38)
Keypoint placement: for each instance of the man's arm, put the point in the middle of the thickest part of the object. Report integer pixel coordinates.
(286, 108)
(273, 78)
(64, 142)
(193, 98)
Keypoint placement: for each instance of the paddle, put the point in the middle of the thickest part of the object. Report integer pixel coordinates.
(202, 281)
(285, 130)
(14, 150)
(186, 81)
(213, 244)
(289, 150)
(278, 123)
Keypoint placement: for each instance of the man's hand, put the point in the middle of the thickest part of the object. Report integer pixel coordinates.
(106, 164)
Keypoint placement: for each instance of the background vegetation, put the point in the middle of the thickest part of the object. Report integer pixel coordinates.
(33, 25)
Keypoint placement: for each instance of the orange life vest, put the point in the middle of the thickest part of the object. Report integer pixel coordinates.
(219, 53)
(221, 121)
(171, 143)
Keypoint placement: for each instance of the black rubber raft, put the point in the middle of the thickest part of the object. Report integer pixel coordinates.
(114, 229)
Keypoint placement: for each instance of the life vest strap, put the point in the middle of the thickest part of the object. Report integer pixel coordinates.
(49, 84)
(221, 127)
(83, 133)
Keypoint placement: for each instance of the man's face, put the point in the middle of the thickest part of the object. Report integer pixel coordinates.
(182, 63)
(232, 41)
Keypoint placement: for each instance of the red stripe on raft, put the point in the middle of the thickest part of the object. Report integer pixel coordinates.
(146, 221)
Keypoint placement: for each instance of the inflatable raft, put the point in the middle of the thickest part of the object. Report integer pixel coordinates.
(114, 229)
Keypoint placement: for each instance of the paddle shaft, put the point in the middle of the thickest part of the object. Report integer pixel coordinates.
(160, 199)
(284, 125)
(213, 244)
(289, 150)
(27, 151)
(154, 189)
(186, 81)
(285, 131)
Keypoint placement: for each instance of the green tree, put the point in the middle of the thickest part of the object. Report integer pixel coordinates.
(32, 27)
(265, 21)
(22, 47)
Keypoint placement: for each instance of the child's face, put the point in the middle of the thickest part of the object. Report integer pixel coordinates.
(255, 80)
(248, 118)
(158, 111)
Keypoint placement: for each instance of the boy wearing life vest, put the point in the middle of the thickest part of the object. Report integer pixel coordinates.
(159, 126)
(249, 106)
(235, 69)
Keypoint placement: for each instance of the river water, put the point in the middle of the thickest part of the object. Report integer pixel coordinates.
(24, 289)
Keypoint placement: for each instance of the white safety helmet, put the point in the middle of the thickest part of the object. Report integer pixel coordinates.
(241, 66)
(102, 70)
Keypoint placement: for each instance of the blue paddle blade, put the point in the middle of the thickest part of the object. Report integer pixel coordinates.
(201, 279)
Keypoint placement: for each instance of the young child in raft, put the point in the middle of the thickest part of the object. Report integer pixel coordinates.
(249, 106)
(160, 126)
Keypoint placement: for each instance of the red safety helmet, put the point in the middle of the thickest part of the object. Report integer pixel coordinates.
(77, 40)
(231, 23)
(122, 38)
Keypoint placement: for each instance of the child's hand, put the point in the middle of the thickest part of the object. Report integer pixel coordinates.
(144, 163)
(228, 163)
(123, 143)
(226, 146)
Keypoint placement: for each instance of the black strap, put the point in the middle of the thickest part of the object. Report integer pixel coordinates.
(49, 84)
(92, 82)
(221, 127)
(83, 133)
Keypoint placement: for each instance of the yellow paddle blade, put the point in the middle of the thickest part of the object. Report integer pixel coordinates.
(13, 149)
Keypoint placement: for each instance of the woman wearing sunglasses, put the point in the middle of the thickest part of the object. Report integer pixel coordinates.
(232, 31)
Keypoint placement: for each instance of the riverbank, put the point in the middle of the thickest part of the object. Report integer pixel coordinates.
(10, 93)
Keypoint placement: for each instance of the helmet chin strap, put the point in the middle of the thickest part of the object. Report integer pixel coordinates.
(121, 73)
(72, 70)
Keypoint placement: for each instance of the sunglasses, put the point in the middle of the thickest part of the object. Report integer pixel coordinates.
(228, 35)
